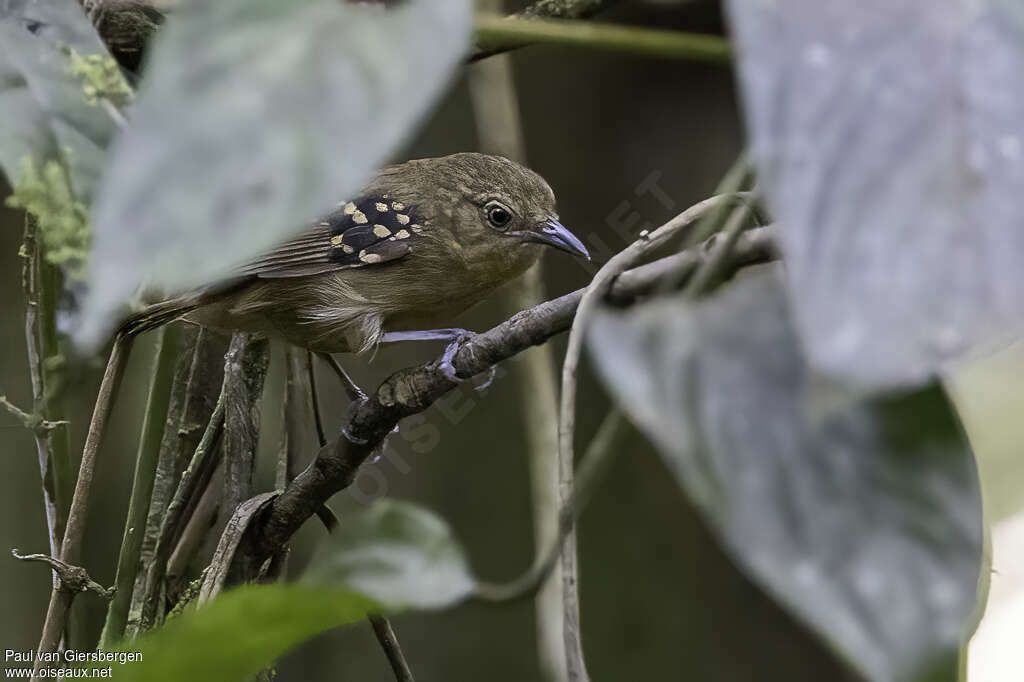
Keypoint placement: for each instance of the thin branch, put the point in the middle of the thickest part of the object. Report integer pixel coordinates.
(72, 578)
(720, 252)
(294, 411)
(414, 389)
(324, 513)
(41, 284)
(71, 546)
(32, 422)
(198, 472)
(146, 459)
(498, 34)
(392, 650)
(314, 396)
(592, 469)
(200, 522)
(596, 291)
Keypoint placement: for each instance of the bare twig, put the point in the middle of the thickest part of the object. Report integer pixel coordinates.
(720, 252)
(32, 422)
(389, 643)
(71, 546)
(498, 34)
(72, 578)
(295, 410)
(324, 513)
(204, 461)
(592, 468)
(595, 292)
(200, 522)
(314, 396)
(142, 485)
(41, 284)
(413, 389)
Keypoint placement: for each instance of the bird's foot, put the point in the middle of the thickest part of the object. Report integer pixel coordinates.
(455, 336)
(446, 366)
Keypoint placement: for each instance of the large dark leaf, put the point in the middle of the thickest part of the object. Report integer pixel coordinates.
(42, 106)
(255, 117)
(862, 518)
(397, 553)
(890, 139)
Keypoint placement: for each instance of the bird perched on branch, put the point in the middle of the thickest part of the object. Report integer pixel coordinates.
(424, 241)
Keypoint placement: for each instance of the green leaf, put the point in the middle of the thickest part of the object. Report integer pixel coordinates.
(396, 553)
(255, 118)
(862, 517)
(889, 137)
(238, 634)
(42, 105)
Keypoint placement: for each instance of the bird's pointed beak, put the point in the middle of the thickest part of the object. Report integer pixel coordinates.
(554, 233)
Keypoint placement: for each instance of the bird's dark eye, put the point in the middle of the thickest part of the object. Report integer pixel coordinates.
(499, 216)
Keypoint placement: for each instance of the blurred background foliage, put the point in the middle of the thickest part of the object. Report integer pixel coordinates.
(659, 600)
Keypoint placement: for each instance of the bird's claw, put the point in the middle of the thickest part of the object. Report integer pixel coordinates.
(446, 366)
(491, 371)
(448, 369)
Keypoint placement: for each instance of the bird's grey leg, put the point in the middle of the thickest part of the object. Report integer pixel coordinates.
(352, 389)
(455, 335)
(451, 334)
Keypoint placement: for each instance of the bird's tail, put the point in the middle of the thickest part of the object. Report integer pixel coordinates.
(157, 315)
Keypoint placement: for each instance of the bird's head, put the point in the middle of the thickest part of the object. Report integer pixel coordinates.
(492, 207)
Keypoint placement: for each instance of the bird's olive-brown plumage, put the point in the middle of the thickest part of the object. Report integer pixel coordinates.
(423, 241)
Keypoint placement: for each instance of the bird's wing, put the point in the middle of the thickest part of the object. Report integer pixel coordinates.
(369, 230)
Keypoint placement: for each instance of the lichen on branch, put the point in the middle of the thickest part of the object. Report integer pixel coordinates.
(101, 79)
(46, 194)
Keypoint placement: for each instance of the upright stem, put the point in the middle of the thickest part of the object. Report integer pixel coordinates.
(392, 650)
(41, 285)
(196, 387)
(71, 546)
(576, 668)
(71, 551)
(598, 288)
(142, 485)
(245, 369)
(593, 467)
(54, 380)
(496, 109)
(195, 476)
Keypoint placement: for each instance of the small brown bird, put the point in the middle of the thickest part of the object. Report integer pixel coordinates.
(424, 241)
